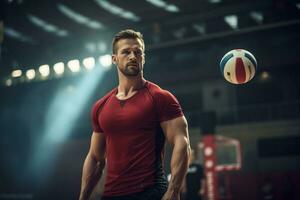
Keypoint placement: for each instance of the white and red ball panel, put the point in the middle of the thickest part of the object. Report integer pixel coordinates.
(238, 66)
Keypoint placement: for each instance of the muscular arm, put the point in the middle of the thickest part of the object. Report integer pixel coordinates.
(177, 135)
(93, 165)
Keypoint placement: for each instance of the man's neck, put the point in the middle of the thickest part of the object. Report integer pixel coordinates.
(130, 85)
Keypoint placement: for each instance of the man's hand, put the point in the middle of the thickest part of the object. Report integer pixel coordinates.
(171, 195)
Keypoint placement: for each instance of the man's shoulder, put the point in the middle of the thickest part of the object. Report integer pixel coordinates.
(102, 100)
(156, 90)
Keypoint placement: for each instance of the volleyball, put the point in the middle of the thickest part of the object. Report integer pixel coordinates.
(238, 66)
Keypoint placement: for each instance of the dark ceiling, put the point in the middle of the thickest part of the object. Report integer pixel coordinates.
(196, 21)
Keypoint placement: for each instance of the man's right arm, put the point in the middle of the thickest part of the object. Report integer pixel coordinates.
(93, 165)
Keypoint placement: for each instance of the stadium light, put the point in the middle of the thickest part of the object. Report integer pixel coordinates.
(30, 74)
(59, 68)
(232, 21)
(16, 73)
(105, 61)
(89, 63)
(44, 70)
(74, 65)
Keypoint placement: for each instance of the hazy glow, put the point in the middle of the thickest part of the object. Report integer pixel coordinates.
(50, 28)
(16, 73)
(257, 16)
(12, 33)
(59, 68)
(157, 3)
(164, 5)
(91, 47)
(105, 61)
(74, 65)
(89, 63)
(44, 70)
(60, 119)
(68, 104)
(116, 10)
(214, 1)
(200, 28)
(172, 8)
(46, 26)
(102, 47)
(30, 74)
(180, 32)
(79, 18)
(8, 82)
(62, 33)
(264, 76)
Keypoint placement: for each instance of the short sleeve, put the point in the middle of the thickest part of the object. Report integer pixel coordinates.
(168, 106)
(97, 107)
(95, 117)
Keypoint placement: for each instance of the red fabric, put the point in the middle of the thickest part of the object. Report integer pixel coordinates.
(130, 129)
(97, 108)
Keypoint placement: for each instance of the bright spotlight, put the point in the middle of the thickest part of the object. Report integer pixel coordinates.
(89, 63)
(59, 68)
(16, 73)
(74, 65)
(44, 70)
(30, 74)
(105, 60)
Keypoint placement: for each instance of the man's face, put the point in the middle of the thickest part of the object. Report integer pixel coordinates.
(129, 56)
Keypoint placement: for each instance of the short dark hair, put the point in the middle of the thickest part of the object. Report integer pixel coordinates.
(126, 34)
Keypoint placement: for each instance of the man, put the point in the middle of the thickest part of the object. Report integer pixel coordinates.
(130, 125)
(194, 182)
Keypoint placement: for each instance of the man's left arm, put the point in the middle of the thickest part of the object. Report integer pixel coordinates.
(176, 132)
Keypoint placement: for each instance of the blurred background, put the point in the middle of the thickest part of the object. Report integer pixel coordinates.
(55, 63)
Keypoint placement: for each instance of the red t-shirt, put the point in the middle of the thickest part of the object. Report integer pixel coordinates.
(134, 138)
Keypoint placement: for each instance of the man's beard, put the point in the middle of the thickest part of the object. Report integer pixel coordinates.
(131, 70)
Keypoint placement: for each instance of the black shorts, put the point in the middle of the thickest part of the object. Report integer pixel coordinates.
(151, 193)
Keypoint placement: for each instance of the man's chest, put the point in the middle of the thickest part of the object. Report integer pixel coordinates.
(136, 113)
